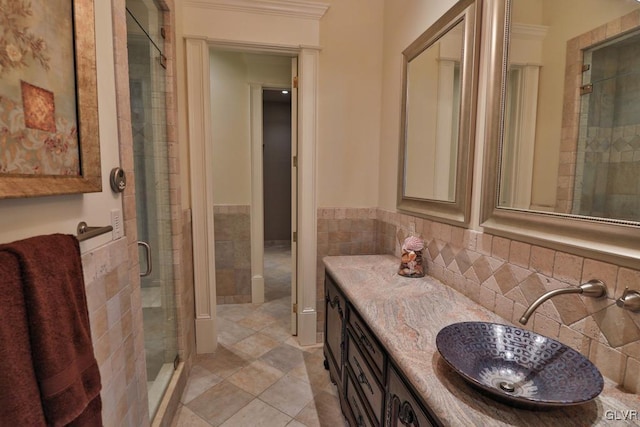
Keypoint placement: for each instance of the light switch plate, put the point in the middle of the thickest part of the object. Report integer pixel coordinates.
(116, 223)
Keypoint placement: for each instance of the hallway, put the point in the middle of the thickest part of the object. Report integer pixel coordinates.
(259, 376)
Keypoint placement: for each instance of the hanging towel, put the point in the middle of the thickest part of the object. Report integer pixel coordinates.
(59, 333)
(19, 393)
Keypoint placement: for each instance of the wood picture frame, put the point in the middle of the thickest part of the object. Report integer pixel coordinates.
(49, 133)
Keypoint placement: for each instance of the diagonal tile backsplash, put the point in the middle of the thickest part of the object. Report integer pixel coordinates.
(505, 276)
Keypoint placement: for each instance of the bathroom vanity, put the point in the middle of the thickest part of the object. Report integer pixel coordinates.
(380, 331)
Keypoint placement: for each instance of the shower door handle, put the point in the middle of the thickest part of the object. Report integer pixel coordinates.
(147, 248)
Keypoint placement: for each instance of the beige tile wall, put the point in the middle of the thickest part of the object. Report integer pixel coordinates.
(505, 276)
(115, 312)
(232, 231)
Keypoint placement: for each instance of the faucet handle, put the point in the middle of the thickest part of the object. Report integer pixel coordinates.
(630, 300)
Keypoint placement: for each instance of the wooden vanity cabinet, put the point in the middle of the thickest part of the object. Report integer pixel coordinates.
(372, 390)
(334, 323)
(403, 410)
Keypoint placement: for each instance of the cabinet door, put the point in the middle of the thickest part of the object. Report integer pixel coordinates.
(334, 330)
(403, 410)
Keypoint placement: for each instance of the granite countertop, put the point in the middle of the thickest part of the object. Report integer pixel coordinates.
(406, 314)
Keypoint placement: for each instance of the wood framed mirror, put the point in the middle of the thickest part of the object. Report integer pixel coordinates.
(439, 97)
(562, 161)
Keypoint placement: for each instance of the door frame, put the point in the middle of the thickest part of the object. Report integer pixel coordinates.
(257, 194)
(200, 149)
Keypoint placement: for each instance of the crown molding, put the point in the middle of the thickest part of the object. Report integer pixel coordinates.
(529, 31)
(290, 8)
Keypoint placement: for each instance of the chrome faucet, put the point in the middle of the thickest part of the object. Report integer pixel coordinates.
(593, 288)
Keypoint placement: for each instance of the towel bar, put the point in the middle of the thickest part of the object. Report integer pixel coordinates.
(85, 232)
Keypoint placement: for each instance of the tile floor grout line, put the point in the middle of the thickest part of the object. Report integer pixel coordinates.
(298, 368)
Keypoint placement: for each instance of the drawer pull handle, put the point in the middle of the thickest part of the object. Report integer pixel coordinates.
(406, 416)
(359, 418)
(362, 379)
(364, 340)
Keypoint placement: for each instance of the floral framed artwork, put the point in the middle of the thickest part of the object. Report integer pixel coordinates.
(49, 139)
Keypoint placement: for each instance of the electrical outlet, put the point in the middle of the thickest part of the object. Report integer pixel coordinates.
(116, 223)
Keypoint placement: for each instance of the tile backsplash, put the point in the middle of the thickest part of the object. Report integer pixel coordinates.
(232, 234)
(505, 276)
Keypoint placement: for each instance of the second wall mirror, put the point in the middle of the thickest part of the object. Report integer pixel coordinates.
(564, 159)
(438, 116)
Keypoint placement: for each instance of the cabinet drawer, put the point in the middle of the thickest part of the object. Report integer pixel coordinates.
(367, 342)
(403, 409)
(354, 402)
(365, 379)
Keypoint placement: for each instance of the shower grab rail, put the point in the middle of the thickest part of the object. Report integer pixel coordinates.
(84, 232)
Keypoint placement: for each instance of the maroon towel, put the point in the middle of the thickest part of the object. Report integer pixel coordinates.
(60, 337)
(19, 393)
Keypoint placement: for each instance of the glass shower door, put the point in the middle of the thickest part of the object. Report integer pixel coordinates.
(153, 211)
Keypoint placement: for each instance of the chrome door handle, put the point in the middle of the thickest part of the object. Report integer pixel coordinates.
(147, 248)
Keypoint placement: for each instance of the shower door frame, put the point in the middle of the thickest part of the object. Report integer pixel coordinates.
(125, 138)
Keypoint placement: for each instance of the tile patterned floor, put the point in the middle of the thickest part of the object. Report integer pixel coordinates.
(259, 375)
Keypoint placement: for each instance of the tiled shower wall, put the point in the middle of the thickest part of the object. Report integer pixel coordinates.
(115, 312)
(609, 144)
(623, 139)
(505, 276)
(232, 234)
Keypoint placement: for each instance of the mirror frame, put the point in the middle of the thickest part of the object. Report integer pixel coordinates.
(458, 211)
(609, 240)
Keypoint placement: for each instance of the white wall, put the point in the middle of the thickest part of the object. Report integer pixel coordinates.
(349, 93)
(214, 22)
(231, 161)
(231, 74)
(221, 25)
(349, 108)
(404, 21)
(21, 218)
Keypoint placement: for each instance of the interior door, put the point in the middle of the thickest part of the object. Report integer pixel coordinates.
(294, 196)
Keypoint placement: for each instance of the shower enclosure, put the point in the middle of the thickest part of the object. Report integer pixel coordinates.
(608, 154)
(147, 88)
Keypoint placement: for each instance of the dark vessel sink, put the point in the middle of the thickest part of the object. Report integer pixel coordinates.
(517, 366)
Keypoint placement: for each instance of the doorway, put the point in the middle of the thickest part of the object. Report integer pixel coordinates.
(201, 136)
(277, 191)
(251, 162)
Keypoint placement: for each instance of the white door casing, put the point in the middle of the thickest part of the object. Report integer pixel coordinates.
(294, 196)
(200, 144)
(200, 148)
(257, 196)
